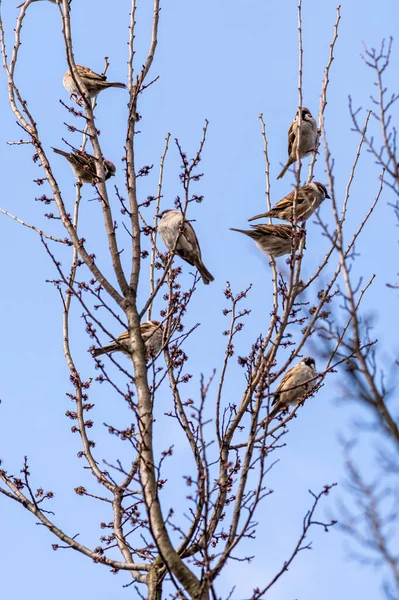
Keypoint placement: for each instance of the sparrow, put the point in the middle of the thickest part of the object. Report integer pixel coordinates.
(152, 334)
(308, 139)
(274, 240)
(309, 198)
(297, 382)
(84, 165)
(173, 226)
(93, 82)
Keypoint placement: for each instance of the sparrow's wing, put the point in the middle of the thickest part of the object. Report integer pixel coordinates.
(123, 336)
(291, 136)
(286, 381)
(89, 74)
(84, 161)
(188, 244)
(282, 231)
(288, 200)
(112, 347)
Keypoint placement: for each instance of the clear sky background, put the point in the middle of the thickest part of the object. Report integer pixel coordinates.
(225, 62)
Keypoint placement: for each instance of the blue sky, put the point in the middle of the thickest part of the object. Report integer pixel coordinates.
(225, 62)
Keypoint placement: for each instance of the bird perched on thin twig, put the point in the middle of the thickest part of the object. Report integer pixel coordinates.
(93, 82)
(308, 138)
(152, 334)
(274, 240)
(296, 383)
(173, 226)
(309, 198)
(84, 165)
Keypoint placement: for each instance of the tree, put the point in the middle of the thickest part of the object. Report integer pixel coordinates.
(232, 435)
(370, 379)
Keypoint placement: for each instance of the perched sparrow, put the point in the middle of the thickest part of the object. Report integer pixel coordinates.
(309, 198)
(297, 382)
(93, 82)
(152, 334)
(172, 226)
(84, 165)
(274, 240)
(308, 139)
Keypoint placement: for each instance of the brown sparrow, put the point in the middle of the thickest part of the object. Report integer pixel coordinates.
(297, 382)
(172, 227)
(309, 198)
(274, 240)
(308, 141)
(93, 82)
(84, 165)
(152, 334)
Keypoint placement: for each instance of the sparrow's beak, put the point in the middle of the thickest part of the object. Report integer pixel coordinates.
(328, 196)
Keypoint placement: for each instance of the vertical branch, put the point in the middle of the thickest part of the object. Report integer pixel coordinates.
(267, 164)
(326, 78)
(130, 157)
(323, 95)
(130, 64)
(144, 404)
(268, 204)
(102, 188)
(300, 104)
(300, 55)
(118, 528)
(386, 136)
(297, 250)
(154, 237)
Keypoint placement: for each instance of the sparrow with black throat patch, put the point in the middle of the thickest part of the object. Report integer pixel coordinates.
(309, 198)
(173, 226)
(84, 165)
(296, 383)
(307, 142)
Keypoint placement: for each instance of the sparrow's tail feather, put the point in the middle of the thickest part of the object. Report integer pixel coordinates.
(117, 84)
(285, 169)
(248, 232)
(207, 277)
(66, 154)
(105, 349)
(276, 399)
(261, 216)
